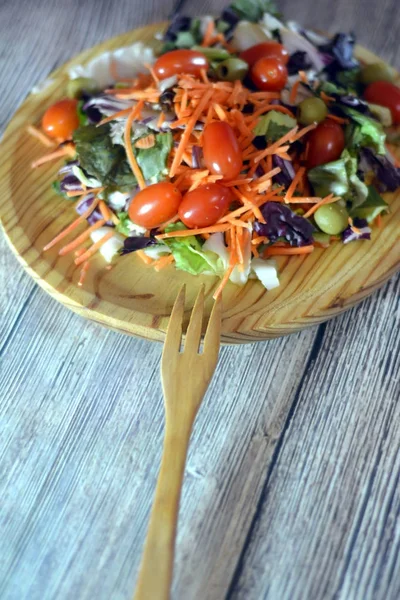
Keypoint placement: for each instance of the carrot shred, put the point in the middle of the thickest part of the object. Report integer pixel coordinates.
(143, 256)
(292, 187)
(223, 282)
(146, 142)
(189, 127)
(72, 226)
(327, 200)
(128, 145)
(327, 99)
(186, 232)
(79, 251)
(161, 119)
(84, 192)
(163, 262)
(303, 77)
(81, 238)
(105, 211)
(378, 221)
(63, 151)
(293, 91)
(120, 113)
(281, 251)
(260, 239)
(39, 135)
(84, 271)
(152, 73)
(337, 119)
(208, 34)
(93, 249)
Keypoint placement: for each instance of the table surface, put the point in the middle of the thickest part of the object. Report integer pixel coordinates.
(292, 482)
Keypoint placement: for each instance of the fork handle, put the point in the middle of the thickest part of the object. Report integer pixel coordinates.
(155, 574)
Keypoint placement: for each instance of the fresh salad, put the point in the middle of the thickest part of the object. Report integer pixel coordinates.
(244, 137)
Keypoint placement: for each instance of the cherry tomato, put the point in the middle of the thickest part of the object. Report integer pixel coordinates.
(269, 74)
(269, 49)
(205, 205)
(61, 119)
(180, 61)
(221, 150)
(386, 94)
(326, 143)
(155, 204)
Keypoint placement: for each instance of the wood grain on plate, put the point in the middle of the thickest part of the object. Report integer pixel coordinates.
(127, 298)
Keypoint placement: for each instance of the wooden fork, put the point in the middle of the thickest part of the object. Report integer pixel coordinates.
(185, 378)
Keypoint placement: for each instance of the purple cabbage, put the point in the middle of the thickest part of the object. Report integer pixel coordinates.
(96, 215)
(178, 24)
(197, 156)
(351, 101)
(137, 242)
(285, 177)
(385, 171)
(104, 104)
(340, 48)
(67, 169)
(349, 235)
(298, 61)
(70, 183)
(282, 223)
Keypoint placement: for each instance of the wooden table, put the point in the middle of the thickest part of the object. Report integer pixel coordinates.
(292, 482)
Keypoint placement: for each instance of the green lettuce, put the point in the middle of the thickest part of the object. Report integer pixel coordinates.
(274, 125)
(153, 161)
(189, 255)
(125, 224)
(372, 207)
(339, 178)
(364, 132)
(253, 10)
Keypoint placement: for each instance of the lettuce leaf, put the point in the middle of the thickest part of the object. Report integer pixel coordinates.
(364, 132)
(253, 10)
(153, 161)
(372, 207)
(339, 178)
(189, 255)
(274, 125)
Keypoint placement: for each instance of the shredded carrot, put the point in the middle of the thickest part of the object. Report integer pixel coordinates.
(272, 149)
(303, 77)
(105, 211)
(337, 119)
(353, 227)
(93, 249)
(72, 226)
(143, 256)
(204, 77)
(169, 222)
(281, 251)
(146, 142)
(39, 135)
(79, 251)
(303, 132)
(261, 239)
(267, 108)
(84, 271)
(161, 119)
(186, 232)
(152, 73)
(327, 200)
(189, 128)
(224, 281)
(128, 145)
(113, 70)
(209, 33)
(163, 262)
(293, 91)
(221, 114)
(81, 238)
(63, 151)
(255, 252)
(120, 113)
(378, 221)
(327, 99)
(84, 192)
(292, 187)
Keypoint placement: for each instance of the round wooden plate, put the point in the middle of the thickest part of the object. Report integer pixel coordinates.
(134, 299)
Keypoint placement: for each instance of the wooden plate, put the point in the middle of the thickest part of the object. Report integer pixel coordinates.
(133, 298)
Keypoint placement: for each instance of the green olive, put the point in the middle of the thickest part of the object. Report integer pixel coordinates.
(311, 110)
(331, 218)
(376, 72)
(75, 87)
(232, 69)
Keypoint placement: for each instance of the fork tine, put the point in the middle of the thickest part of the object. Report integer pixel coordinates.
(193, 334)
(212, 337)
(174, 331)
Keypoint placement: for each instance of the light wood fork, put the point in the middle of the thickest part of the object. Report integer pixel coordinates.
(185, 378)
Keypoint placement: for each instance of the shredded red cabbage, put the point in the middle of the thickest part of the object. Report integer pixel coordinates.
(282, 223)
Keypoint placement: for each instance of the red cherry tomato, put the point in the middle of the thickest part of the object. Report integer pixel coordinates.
(180, 61)
(326, 143)
(155, 204)
(265, 49)
(205, 205)
(61, 119)
(269, 74)
(386, 94)
(221, 150)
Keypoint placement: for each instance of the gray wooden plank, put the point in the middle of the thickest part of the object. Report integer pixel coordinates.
(329, 523)
(82, 413)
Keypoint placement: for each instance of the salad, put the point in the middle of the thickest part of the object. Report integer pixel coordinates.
(244, 137)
